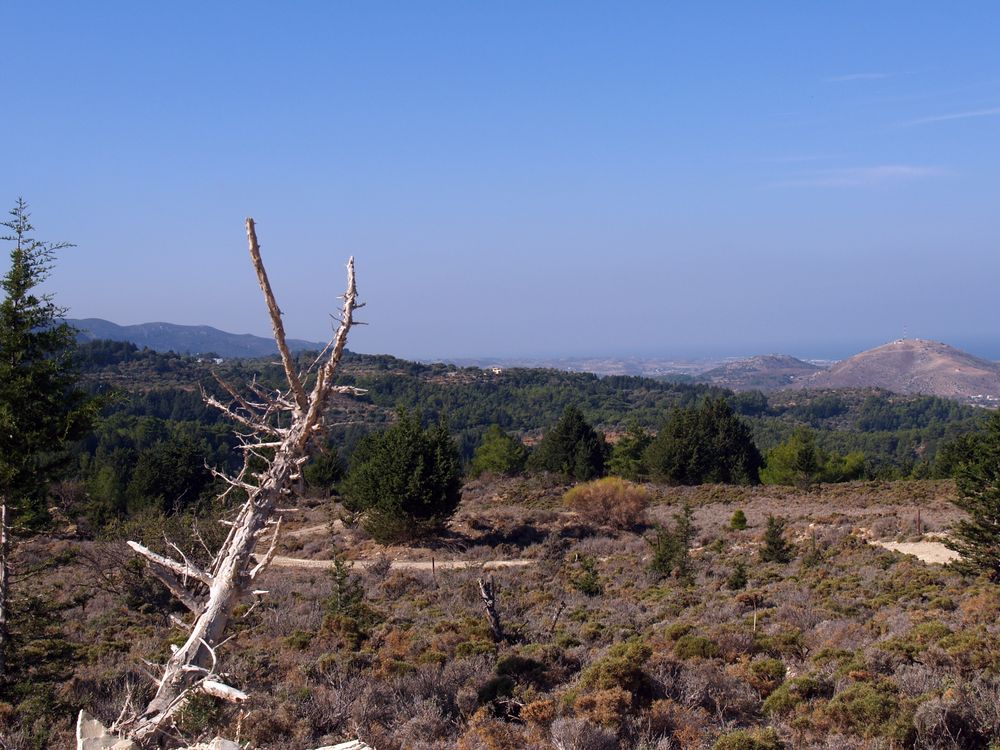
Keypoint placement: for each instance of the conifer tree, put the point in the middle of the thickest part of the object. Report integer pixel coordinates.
(41, 407)
(977, 536)
(499, 453)
(572, 448)
(775, 548)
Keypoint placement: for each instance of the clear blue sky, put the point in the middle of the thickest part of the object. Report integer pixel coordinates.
(520, 178)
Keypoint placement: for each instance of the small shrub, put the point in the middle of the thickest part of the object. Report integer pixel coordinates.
(622, 667)
(587, 581)
(750, 739)
(738, 521)
(670, 548)
(738, 578)
(613, 501)
(766, 674)
(864, 708)
(795, 692)
(580, 734)
(691, 646)
(608, 708)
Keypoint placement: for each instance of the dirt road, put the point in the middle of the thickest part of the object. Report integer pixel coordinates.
(280, 561)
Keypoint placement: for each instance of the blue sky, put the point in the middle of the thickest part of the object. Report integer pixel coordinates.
(532, 179)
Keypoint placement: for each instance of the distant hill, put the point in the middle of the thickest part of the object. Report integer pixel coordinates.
(767, 372)
(164, 337)
(915, 366)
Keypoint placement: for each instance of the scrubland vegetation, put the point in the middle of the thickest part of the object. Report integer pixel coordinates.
(486, 561)
(845, 645)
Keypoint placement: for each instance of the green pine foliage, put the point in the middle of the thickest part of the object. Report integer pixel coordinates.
(976, 537)
(627, 455)
(572, 448)
(405, 480)
(499, 453)
(800, 462)
(41, 405)
(704, 444)
(738, 521)
(671, 556)
(775, 548)
(738, 578)
(324, 470)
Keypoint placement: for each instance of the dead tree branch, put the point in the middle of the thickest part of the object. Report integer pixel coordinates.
(488, 593)
(285, 423)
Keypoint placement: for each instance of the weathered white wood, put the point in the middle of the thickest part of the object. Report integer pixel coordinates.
(192, 665)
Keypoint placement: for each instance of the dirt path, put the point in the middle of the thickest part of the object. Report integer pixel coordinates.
(280, 561)
(929, 552)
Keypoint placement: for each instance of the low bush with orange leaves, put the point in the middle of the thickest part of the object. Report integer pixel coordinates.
(611, 501)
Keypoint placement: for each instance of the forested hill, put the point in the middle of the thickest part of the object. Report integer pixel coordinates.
(897, 434)
(169, 337)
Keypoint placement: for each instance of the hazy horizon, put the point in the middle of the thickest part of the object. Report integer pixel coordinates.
(568, 179)
(984, 348)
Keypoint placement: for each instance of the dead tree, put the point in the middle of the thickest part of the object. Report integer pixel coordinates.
(278, 429)
(488, 593)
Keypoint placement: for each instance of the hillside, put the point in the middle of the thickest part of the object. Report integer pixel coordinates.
(767, 372)
(167, 337)
(915, 366)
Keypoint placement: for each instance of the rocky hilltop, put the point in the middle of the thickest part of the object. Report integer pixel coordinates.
(914, 366)
(766, 372)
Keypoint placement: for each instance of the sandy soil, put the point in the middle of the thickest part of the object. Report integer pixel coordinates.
(929, 552)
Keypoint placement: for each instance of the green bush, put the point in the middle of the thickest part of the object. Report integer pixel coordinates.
(405, 480)
(587, 581)
(692, 646)
(864, 708)
(621, 668)
(738, 578)
(794, 692)
(750, 739)
(738, 521)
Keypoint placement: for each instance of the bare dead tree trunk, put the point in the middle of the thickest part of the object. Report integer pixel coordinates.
(212, 593)
(488, 593)
(4, 586)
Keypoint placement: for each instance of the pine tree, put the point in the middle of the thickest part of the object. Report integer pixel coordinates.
(572, 448)
(405, 480)
(671, 555)
(775, 548)
(41, 407)
(977, 536)
(499, 453)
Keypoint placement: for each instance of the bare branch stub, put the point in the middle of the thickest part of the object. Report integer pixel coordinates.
(488, 593)
(286, 423)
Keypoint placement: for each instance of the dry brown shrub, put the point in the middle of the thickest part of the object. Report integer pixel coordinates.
(540, 712)
(686, 726)
(605, 707)
(486, 732)
(611, 501)
(981, 609)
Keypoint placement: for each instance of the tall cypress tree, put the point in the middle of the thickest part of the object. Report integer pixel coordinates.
(40, 405)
